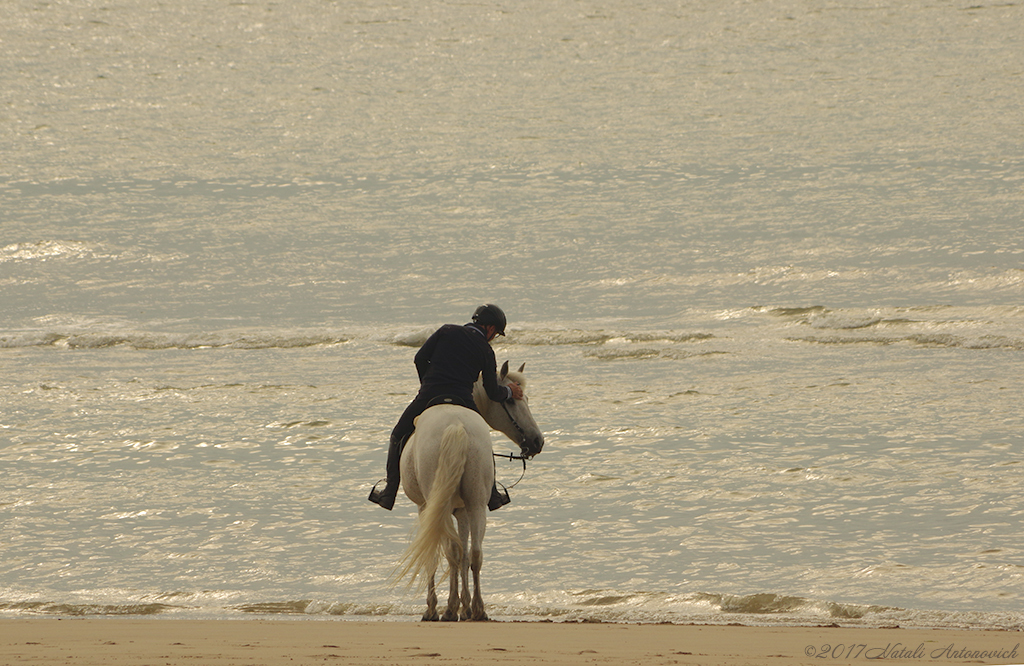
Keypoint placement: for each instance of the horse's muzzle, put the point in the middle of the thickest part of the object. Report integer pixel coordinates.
(531, 446)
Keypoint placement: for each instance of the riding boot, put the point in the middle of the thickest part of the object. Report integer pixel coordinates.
(386, 496)
(499, 498)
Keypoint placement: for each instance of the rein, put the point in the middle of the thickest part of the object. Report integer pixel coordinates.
(512, 456)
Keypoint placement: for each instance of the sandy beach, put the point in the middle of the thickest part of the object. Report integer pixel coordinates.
(151, 642)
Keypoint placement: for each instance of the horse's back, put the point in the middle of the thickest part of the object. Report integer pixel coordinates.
(419, 462)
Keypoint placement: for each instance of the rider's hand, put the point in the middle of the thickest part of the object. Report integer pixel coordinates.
(517, 391)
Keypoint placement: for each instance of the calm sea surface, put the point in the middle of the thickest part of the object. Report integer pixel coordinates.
(764, 263)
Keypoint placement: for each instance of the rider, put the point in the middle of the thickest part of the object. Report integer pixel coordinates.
(448, 364)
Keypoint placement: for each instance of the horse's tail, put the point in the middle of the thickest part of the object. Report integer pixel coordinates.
(436, 537)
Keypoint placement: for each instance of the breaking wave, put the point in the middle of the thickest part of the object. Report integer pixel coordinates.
(927, 327)
(921, 339)
(762, 609)
(639, 353)
(49, 249)
(545, 337)
(143, 340)
(88, 337)
(75, 610)
(935, 326)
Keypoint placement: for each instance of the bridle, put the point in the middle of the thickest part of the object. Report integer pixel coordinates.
(522, 438)
(515, 424)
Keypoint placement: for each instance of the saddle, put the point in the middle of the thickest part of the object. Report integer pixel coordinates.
(450, 400)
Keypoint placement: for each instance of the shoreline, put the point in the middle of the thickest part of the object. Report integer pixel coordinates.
(139, 641)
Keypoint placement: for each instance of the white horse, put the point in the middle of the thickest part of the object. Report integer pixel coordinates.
(448, 467)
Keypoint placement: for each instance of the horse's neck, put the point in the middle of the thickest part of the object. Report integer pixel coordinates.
(484, 405)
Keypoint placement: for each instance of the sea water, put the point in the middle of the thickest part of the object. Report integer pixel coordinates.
(764, 263)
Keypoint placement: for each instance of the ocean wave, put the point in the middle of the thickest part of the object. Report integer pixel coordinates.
(805, 311)
(71, 609)
(640, 353)
(711, 605)
(980, 342)
(1013, 277)
(772, 604)
(822, 326)
(99, 336)
(548, 337)
(557, 337)
(407, 338)
(820, 317)
(275, 607)
(751, 609)
(143, 340)
(927, 326)
(318, 607)
(594, 605)
(49, 249)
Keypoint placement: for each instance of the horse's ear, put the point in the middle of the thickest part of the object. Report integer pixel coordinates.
(504, 370)
(521, 367)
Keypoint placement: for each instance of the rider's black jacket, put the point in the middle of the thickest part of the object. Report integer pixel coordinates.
(452, 358)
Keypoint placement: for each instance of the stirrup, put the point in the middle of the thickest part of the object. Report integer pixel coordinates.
(499, 498)
(382, 496)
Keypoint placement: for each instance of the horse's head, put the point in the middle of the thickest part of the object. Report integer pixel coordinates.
(514, 418)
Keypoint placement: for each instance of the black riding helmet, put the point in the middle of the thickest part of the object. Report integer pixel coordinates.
(490, 315)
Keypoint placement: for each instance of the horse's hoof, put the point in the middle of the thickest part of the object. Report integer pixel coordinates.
(449, 617)
(429, 617)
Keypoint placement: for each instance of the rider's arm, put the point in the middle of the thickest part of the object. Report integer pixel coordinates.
(495, 391)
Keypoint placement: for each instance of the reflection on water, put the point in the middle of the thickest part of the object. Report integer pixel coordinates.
(762, 261)
(676, 487)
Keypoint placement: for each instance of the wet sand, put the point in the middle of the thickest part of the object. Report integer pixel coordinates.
(160, 642)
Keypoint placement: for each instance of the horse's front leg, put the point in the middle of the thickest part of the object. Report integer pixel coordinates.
(431, 614)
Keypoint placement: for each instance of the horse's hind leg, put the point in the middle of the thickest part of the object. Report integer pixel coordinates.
(464, 597)
(454, 554)
(431, 614)
(477, 519)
